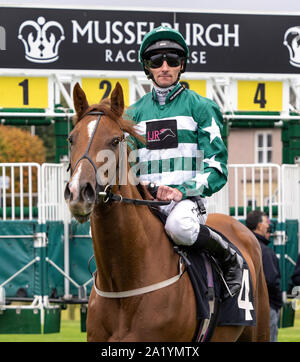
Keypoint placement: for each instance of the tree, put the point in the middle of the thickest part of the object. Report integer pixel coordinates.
(17, 145)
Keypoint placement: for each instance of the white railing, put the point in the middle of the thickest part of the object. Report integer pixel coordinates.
(27, 188)
(31, 191)
(218, 202)
(52, 203)
(19, 190)
(255, 185)
(260, 185)
(291, 192)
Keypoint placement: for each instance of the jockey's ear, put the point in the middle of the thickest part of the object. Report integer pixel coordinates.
(117, 100)
(80, 101)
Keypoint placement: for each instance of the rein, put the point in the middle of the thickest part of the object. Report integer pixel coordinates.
(109, 196)
(106, 193)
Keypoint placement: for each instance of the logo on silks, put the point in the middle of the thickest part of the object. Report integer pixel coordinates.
(292, 42)
(161, 134)
(41, 40)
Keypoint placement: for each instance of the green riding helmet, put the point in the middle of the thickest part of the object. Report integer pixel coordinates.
(161, 38)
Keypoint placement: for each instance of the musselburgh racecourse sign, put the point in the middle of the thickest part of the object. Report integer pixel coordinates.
(109, 39)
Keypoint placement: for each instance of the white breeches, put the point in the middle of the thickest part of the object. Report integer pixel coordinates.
(183, 221)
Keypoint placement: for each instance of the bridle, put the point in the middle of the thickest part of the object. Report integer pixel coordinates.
(105, 192)
(86, 153)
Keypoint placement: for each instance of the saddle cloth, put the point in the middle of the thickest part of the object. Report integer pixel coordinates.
(236, 310)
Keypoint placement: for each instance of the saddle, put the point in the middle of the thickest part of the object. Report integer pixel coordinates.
(207, 280)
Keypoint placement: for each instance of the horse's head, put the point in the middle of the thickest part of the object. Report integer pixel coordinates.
(94, 141)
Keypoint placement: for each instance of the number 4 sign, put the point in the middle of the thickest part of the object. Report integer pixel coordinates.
(260, 96)
(244, 296)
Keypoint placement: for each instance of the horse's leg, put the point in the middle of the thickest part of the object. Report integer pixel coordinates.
(227, 333)
(95, 326)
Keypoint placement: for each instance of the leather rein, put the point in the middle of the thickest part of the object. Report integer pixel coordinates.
(106, 193)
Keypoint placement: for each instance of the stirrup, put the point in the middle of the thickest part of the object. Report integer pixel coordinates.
(221, 274)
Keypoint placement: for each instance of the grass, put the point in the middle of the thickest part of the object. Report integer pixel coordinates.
(70, 332)
(291, 334)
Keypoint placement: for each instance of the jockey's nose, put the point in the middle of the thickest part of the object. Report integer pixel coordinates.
(165, 65)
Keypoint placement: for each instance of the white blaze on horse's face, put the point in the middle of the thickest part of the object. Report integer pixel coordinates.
(91, 127)
(74, 184)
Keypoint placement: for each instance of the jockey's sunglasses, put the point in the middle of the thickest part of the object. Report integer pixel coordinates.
(156, 61)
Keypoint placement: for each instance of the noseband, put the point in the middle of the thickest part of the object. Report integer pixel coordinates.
(100, 190)
(86, 153)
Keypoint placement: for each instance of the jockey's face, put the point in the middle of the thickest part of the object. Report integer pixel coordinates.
(165, 75)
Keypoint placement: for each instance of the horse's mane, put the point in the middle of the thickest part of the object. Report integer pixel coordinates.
(126, 125)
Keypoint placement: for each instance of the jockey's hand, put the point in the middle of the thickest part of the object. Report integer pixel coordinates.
(166, 193)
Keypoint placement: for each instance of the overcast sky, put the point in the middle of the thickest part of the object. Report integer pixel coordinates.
(271, 6)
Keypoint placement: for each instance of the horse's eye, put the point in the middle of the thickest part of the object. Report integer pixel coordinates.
(70, 139)
(115, 141)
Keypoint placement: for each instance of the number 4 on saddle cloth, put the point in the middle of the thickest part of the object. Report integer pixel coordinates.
(208, 284)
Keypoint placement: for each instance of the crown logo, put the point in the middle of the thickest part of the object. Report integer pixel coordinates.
(292, 42)
(41, 40)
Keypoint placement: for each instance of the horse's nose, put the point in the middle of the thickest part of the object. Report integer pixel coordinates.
(86, 193)
(67, 193)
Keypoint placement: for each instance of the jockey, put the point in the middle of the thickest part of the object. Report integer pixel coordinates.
(184, 153)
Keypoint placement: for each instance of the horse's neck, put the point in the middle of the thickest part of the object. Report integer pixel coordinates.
(130, 245)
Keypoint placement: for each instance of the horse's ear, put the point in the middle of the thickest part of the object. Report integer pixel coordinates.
(80, 101)
(117, 100)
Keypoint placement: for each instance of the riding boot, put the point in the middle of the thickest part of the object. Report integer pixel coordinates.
(229, 260)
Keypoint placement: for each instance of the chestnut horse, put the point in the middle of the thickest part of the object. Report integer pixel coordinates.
(131, 248)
